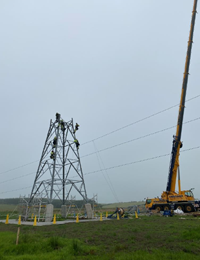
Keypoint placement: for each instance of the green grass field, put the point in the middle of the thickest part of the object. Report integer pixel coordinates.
(146, 238)
(7, 207)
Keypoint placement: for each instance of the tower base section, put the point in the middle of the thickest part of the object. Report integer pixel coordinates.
(64, 211)
(49, 213)
(89, 210)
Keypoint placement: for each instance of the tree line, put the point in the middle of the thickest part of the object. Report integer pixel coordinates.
(57, 203)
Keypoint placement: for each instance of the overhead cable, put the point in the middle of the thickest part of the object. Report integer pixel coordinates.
(110, 147)
(140, 137)
(21, 166)
(119, 166)
(16, 190)
(21, 176)
(106, 176)
(114, 132)
(139, 161)
(138, 121)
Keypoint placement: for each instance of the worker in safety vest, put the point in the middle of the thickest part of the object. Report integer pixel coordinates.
(76, 127)
(57, 117)
(62, 125)
(76, 143)
(54, 141)
(52, 156)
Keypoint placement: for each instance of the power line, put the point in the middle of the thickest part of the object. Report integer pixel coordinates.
(21, 176)
(114, 132)
(140, 137)
(138, 121)
(19, 167)
(190, 149)
(118, 166)
(16, 189)
(106, 176)
(110, 147)
(139, 161)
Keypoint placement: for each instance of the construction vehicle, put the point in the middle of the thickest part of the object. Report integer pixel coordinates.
(183, 199)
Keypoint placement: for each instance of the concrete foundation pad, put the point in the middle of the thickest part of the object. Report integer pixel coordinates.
(49, 213)
(89, 211)
(39, 224)
(64, 211)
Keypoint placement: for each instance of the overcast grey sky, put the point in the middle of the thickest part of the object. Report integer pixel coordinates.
(105, 63)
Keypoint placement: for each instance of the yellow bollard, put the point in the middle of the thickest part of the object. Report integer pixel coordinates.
(136, 215)
(32, 216)
(7, 218)
(117, 216)
(35, 222)
(77, 219)
(101, 219)
(54, 219)
(106, 214)
(19, 221)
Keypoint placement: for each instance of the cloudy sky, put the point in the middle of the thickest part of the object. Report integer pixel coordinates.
(106, 64)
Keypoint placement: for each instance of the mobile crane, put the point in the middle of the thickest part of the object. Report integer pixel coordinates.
(183, 200)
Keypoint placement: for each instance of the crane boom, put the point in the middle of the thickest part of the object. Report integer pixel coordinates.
(184, 199)
(174, 163)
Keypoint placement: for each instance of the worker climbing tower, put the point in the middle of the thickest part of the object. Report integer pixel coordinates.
(59, 171)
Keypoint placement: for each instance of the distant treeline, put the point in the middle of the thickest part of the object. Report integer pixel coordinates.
(56, 203)
(13, 201)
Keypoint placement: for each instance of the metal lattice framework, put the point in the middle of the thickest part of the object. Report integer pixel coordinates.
(37, 208)
(59, 171)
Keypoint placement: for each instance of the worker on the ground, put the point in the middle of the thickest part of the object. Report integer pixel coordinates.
(120, 211)
(76, 143)
(54, 141)
(76, 127)
(52, 156)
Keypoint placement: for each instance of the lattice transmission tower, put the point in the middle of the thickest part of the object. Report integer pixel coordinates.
(59, 172)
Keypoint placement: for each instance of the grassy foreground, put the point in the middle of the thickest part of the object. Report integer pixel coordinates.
(138, 239)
